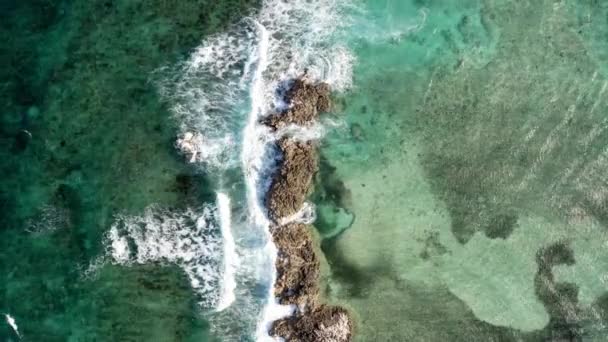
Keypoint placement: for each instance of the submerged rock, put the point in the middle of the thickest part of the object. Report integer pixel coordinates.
(356, 131)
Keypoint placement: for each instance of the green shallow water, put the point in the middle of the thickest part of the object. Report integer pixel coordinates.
(473, 163)
(76, 75)
(463, 199)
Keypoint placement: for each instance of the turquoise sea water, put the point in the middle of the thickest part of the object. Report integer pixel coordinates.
(473, 165)
(461, 193)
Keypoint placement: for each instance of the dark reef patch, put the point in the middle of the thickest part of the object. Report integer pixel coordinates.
(329, 187)
(432, 246)
(75, 76)
(192, 189)
(560, 299)
(496, 138)
(501, 226)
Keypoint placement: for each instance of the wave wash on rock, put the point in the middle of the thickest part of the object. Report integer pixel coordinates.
(297, 264)
(223, 95)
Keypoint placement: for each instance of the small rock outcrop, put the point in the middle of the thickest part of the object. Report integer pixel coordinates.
(323, 324)
(293, 181)
(306, 101)
(297, 264)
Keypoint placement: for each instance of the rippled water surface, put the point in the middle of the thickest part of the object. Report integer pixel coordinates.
(466, 198)
(461, 196)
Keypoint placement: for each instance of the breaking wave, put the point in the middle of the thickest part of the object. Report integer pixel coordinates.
(198, 241)
(231, 258)
(10, 320)
(209, 93)
(218, 96)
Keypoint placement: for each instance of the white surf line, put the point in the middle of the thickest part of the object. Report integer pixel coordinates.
(255, 142)
(231, 259)
(10, 320)
(302, 133)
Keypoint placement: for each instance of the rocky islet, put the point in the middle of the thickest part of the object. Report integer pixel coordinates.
(298, 265)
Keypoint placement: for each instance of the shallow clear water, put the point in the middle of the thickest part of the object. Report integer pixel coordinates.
(461, 193)
(472, 164)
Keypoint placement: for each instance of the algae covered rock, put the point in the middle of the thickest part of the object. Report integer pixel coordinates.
(323, 324)
(298, 266)
(306, 101)
(292, 182)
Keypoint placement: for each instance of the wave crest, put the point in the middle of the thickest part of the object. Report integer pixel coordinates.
(190, 239)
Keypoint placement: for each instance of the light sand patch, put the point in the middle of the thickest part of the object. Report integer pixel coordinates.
(397, 212)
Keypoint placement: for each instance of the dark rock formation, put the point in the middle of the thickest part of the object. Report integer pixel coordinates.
(306, 100)
(293, 181)
(297, 263)
(323, 324)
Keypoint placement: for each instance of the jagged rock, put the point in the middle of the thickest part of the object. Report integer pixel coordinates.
(306, 101)
(297, 265)
(323, 324)
(293, 181)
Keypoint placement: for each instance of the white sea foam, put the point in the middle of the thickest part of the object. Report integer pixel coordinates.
(254, 154)
(220, 94)
(207, 93)
(231, 259)
(10, 320)
(190, 239)
(305, 37)
(199, 148)
(195, 240)
(294, 38)
(91, 271)
(306, 215)
(314, 132)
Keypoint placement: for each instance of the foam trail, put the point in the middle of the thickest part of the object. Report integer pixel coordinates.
(11, 321)
(255, 141)
(306, 215)
(232, 79)
(189, 239)
(231, 260)
(299, 133)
